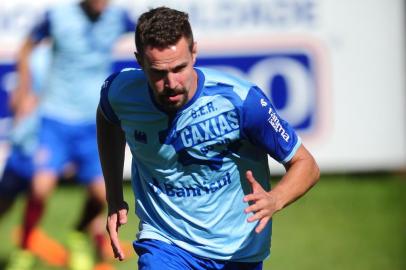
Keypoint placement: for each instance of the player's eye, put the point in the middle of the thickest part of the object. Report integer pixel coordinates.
(158, 73)
(179, 69)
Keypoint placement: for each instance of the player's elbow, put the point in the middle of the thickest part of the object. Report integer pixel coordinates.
(314, 172)
(310, 163)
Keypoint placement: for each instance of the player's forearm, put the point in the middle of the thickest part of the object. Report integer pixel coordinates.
(23, 67)
(302, 174)
(23, 88)
(111, 143)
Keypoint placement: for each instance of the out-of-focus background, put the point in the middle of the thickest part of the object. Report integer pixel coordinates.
(334, 69)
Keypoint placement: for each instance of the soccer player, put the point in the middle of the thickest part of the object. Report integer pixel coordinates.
(18, 170)
(199, 139)
(82, 36)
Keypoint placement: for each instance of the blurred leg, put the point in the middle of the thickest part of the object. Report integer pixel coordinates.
(41, 188)
(97, 193)
(11, 185)
(89, 221)
(94, 204)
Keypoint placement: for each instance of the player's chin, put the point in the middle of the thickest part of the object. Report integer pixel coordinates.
(174, 103)
(173, 107)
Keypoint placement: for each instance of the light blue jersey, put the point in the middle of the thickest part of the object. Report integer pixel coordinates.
(188, 170)
(81, 59)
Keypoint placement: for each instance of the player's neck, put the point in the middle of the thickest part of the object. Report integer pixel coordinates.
(92, 15)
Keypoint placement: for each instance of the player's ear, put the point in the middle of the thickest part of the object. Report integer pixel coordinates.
(194, 52)
(139, 59)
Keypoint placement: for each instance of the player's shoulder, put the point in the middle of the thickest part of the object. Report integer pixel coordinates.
(124, 79)
(63, 11)
(62, 7)
(219, 79)
(129, 75)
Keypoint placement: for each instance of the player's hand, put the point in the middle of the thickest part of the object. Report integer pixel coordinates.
(116, 218)
(22, 103)
(263, 204)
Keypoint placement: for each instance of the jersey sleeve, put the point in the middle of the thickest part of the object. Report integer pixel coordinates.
(263, 127)
(104, 103)
(42, 29)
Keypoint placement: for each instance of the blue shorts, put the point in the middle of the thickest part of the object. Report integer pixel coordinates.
(158, 255)
(61, 143)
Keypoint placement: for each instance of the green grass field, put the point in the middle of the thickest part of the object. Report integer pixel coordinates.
(345, 222)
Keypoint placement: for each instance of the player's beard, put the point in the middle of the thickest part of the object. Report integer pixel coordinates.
(173, 99)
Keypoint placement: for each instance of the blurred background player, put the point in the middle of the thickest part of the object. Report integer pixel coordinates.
(82, 36)
(19, 168)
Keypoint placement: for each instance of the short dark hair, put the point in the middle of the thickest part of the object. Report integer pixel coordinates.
(162, 27)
